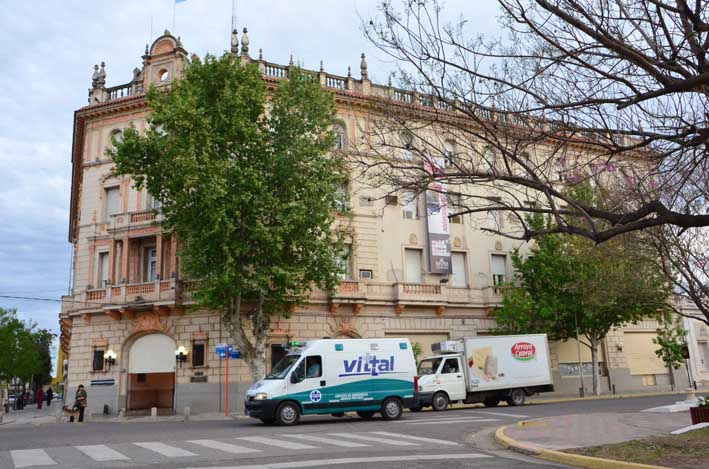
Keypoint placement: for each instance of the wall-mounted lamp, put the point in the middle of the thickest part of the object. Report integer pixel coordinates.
(619, 347)
(110, 358)
(181, 355)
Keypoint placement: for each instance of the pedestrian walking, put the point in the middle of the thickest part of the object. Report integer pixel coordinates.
(50, 396)
(21, 401)
(79, 403)
(39, 397)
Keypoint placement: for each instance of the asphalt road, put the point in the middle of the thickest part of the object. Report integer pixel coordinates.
(454, 438)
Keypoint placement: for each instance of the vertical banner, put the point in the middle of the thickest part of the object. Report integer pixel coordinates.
(439, 242)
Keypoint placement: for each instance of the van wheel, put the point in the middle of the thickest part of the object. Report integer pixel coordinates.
(366, 414)
(491, 401)
(440, 401)
(287, 414)
(516, 397)
(392, 409)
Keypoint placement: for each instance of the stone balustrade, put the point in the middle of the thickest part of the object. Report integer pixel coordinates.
(131, 293)
(134, 219)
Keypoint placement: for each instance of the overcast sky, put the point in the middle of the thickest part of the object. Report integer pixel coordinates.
(47, 51)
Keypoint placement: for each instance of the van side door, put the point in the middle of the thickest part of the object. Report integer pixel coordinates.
(452, 379)
(305, 384)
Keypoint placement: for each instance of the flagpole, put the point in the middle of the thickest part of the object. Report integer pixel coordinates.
(174, 2)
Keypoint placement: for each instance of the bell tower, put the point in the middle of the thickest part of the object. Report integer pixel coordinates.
(163, 61)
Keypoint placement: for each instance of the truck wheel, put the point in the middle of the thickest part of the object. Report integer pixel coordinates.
(440, 401)
(287, 414)
(491, 401)
(366, 414)
(392, 409)
(516, 397)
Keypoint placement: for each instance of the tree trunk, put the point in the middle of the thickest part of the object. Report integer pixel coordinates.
(253, 351)
(594, 367)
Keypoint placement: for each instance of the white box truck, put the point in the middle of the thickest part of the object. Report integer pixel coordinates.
(485, 369)
(334, 376)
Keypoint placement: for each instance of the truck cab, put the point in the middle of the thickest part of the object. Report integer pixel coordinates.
(442, 380)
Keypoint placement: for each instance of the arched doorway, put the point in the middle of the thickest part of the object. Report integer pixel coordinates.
(151, 373)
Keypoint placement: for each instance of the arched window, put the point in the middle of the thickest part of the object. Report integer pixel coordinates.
(340, 137)
(163, 75)
(116, 135)
(449, 150)
(407, 142)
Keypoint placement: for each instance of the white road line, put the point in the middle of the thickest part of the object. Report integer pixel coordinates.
(226, 447)
(332, 462)
(504, 414)
(165, 450)
(101, 453)
(31, 457)
(327, 441)
(375, 438)
(274, 442)
(418, 438)
(448, 419)
(443, 422)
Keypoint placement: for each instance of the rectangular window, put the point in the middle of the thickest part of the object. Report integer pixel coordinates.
(454, 205)
(499, 270)
(102, 270)
(150, 265)
(151, 203)
(113, 201)
(278, 351)
(98, 360)
(198, 354)
(343, 197)
(457, 276)
(412, 265)
(410, 202)
(313, 367)
(345, 263)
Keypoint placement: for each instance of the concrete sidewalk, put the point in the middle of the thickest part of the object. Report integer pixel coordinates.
(581, 430)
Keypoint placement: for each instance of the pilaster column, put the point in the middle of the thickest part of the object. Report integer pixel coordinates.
(125, 252)
(158, 254)
(111, 260)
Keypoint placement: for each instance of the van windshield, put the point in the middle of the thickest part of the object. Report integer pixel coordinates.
(429, 366)
(283, 367)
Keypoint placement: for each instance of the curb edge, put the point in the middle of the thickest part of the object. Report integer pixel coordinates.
(565, 458)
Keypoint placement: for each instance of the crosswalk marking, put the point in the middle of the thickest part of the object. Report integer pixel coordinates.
(375, 438)
(443, 422)
(417, 438)
(101, 453)
(362, 460)
(328, 441)
(274, 442)
(30, 457)
(226, 447)
(165, 450)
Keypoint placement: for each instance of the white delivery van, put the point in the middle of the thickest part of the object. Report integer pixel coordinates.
(485, 369)
(333, 376)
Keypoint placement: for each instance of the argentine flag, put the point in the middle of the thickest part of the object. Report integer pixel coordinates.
(180, 1)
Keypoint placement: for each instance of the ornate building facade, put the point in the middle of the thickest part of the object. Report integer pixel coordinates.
(130, 311)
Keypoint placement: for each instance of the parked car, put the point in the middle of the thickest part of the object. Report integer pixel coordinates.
(11, 399)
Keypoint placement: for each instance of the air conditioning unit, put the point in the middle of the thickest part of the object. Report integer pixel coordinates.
(449, 346)
(391, 200)
(366, 274)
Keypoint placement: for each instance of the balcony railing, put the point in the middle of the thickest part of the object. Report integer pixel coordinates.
(133, 219)
(131, 293)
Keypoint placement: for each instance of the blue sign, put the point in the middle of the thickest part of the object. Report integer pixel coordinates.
(223, 349)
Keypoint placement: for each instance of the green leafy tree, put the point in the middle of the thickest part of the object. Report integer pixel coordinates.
(671, 337)
(247, 181)
(568, 282)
